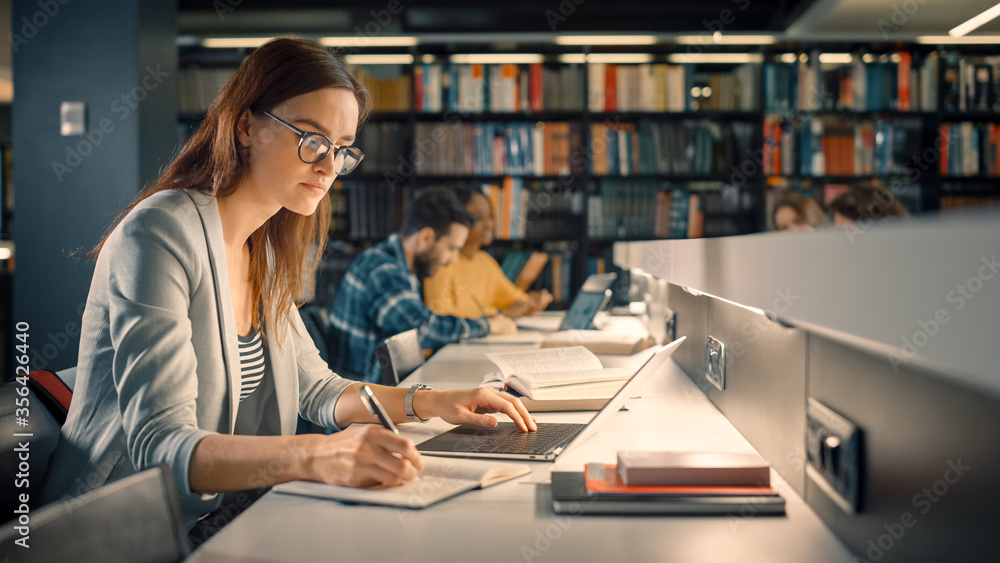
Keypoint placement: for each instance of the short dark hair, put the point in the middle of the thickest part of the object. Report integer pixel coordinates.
(438, 209)
(868, 201)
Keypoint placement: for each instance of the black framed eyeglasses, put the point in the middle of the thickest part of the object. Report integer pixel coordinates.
(313, 147)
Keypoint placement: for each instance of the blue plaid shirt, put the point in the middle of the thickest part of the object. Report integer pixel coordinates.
(380, 297)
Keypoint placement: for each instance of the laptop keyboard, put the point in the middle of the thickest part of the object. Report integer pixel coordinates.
(513, 441)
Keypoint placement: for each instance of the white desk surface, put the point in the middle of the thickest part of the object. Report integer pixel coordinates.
(513, 521)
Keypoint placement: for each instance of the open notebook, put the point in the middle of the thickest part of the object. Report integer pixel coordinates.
(441, 478)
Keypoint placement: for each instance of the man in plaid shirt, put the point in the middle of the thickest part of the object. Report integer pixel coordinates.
(380, 296)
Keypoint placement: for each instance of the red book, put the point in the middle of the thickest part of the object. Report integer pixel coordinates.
(610, 87)
(535, 86)
(945, 130)
(904, 81)
(604, 480)
(418, 88)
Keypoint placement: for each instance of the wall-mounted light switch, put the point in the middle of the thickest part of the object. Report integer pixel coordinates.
(72, 118)
(715, 362)
(833, 449)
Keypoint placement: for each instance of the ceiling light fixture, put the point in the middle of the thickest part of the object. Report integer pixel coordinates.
(605, 40)
(378, 59)
(365, 41)
(975, 22)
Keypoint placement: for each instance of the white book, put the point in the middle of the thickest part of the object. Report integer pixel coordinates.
(565, 373)
(441, 478)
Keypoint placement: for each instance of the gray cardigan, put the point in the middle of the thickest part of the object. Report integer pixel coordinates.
(159, 361)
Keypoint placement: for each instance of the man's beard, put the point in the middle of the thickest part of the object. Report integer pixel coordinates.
(423, 265)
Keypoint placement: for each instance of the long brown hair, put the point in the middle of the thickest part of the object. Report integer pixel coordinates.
(213, 163)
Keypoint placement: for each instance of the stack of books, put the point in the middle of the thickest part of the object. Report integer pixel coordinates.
(670, 483)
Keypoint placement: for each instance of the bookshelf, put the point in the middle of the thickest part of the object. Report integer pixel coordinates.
(578, 155)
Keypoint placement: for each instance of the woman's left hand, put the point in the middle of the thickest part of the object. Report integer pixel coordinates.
(468, 406)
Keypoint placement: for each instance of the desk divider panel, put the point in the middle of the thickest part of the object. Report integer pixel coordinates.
(930, 462)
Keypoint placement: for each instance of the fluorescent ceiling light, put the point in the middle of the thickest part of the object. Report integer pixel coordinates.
(498, 58)
(976, 22)
(233, 42)
(966, 40)
(836, 58)
(620, 58)
(715, 58)
(365, 41)
(378, 59)
(606, 40)
(724, 39)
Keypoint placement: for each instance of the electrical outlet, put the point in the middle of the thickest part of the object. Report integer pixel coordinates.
(833, 450)
(715, 362)
(670, 324)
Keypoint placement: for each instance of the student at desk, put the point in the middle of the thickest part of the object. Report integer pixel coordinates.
(379, 296)
(209, 257)
(474, 285)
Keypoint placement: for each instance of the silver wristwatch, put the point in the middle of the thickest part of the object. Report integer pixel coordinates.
(412, 416)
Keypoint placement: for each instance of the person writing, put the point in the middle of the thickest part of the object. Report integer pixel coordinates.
(475, 285)
(209, 255)
(379, 296)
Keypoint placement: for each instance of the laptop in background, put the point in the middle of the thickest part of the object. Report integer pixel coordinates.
(551, 439)
(591, 300)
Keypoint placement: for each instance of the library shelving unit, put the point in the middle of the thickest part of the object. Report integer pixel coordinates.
(579, 147)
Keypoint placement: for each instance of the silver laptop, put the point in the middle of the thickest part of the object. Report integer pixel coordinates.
(551, 439)
(591, 300)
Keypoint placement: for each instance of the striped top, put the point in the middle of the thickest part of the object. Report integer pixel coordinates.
(251, 363)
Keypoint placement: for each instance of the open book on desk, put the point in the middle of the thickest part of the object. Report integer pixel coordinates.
(442, 478)
(570, 372)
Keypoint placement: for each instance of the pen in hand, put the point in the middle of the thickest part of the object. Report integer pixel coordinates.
(375, 407)
(478, 304)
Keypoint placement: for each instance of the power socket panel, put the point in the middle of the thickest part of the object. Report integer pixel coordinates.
(833, 450)
(715, 363)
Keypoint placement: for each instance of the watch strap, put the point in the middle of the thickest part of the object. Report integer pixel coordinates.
(410, 414)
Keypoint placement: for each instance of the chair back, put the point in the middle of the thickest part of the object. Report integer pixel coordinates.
(136, 520)
(399, 356)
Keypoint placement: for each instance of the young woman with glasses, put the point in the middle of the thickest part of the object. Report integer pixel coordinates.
(192, 353)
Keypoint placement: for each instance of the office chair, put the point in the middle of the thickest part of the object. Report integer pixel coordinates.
(399, 356)
(136, 520)
(35, 411)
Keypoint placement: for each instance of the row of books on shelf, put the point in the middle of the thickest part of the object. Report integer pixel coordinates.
(555, 276)
(670, 88)
(953, 202)
(386, 146)
(837, 147)
(970, 84)
(361, 211)
(902, 84)
(490, 148)
(540, 210)
(970, 149)
(497, 88)
(389, 86)
(630, 210)
(668, 147)
(197, 86)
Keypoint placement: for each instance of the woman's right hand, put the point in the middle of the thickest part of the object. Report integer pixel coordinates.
(362, 455)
